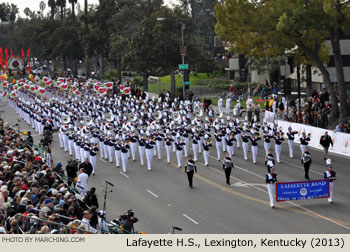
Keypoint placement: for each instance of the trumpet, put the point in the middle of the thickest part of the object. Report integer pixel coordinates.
(210, 141)
(153, 138)
(309, 135)
(282, 133)
(127, 141)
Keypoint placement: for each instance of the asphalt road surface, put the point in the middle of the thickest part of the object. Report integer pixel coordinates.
(161, 198)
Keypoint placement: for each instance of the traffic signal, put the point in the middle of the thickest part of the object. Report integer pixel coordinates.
(186, 75)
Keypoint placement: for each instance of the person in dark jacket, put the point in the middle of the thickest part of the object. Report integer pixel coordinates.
(30, 138)
(91, 198)
(87, 166)
(326, 141)
(72, 169)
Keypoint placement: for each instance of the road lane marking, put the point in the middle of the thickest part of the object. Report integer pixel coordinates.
(102, 160)
(155, 195)
(195, 222)
(122, 173)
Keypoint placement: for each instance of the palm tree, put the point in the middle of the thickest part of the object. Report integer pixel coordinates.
(13, 9)
(4, 11)
(52, 5)
(42, 6)
(73, 2)
(62, 5)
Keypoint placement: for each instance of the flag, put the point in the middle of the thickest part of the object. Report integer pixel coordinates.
(4, 94)
(109, 84)
(6, 58)
(11, 53)
(126, 90)
(22, 55)
(13, 94)
(102, 90)
(28, 54)
(1, 62)
(41, 90)
(63, 85)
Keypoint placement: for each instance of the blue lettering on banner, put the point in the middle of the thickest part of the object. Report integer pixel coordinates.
(302, 190)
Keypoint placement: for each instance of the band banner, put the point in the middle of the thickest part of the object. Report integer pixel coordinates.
(302, 190)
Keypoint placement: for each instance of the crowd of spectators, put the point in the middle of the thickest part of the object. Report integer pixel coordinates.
(34, 198)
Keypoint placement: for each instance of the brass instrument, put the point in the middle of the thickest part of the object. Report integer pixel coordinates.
(210, 141)
(65, 119)
(198, 112)
(282, 133)
(309, 135)
(127, 141)
(153, 138)
(88, 121)
(157, 115)
(132, 117)
(109, 117)
(218, 114)
(216, 123)
(176, 116)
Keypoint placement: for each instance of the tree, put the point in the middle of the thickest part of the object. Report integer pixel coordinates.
(62, 5)
(13, 9)
(4, 10)
(52, 5)
(42, 7)
(73, 2)
(277, 27)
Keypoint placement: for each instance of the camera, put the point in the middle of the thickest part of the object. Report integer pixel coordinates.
(128, 214)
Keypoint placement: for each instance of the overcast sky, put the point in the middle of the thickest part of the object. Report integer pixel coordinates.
(34, 4)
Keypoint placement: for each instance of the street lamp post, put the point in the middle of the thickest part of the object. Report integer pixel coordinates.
(182, 51)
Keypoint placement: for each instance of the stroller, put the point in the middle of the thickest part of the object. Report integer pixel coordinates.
(46, 140)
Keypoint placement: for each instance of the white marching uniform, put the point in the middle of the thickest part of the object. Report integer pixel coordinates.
(271, 187)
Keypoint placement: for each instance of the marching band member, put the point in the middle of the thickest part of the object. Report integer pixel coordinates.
(195, 144)
(238, 135)
(142, 147)
(124, 154)
(306, 161)
(133, 146)
(110, 148)
(227, 166)
(190, 168)
(86, 150)
(168, 140)
(331, 176)
(149, 151)
(159, 141)
(290, 135)
(269, 160)
(101, 140)
(254, 140)
(179, 147)
(278, 146)
(267, 141)
(70, 143)
(271, 179)
(245, 143)
(185, 135)
(230, 144)
(105, 147)
(218, 140)
(206, 146)
(220, 104)
(93, 152)
(117, 150)
(304, 141)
